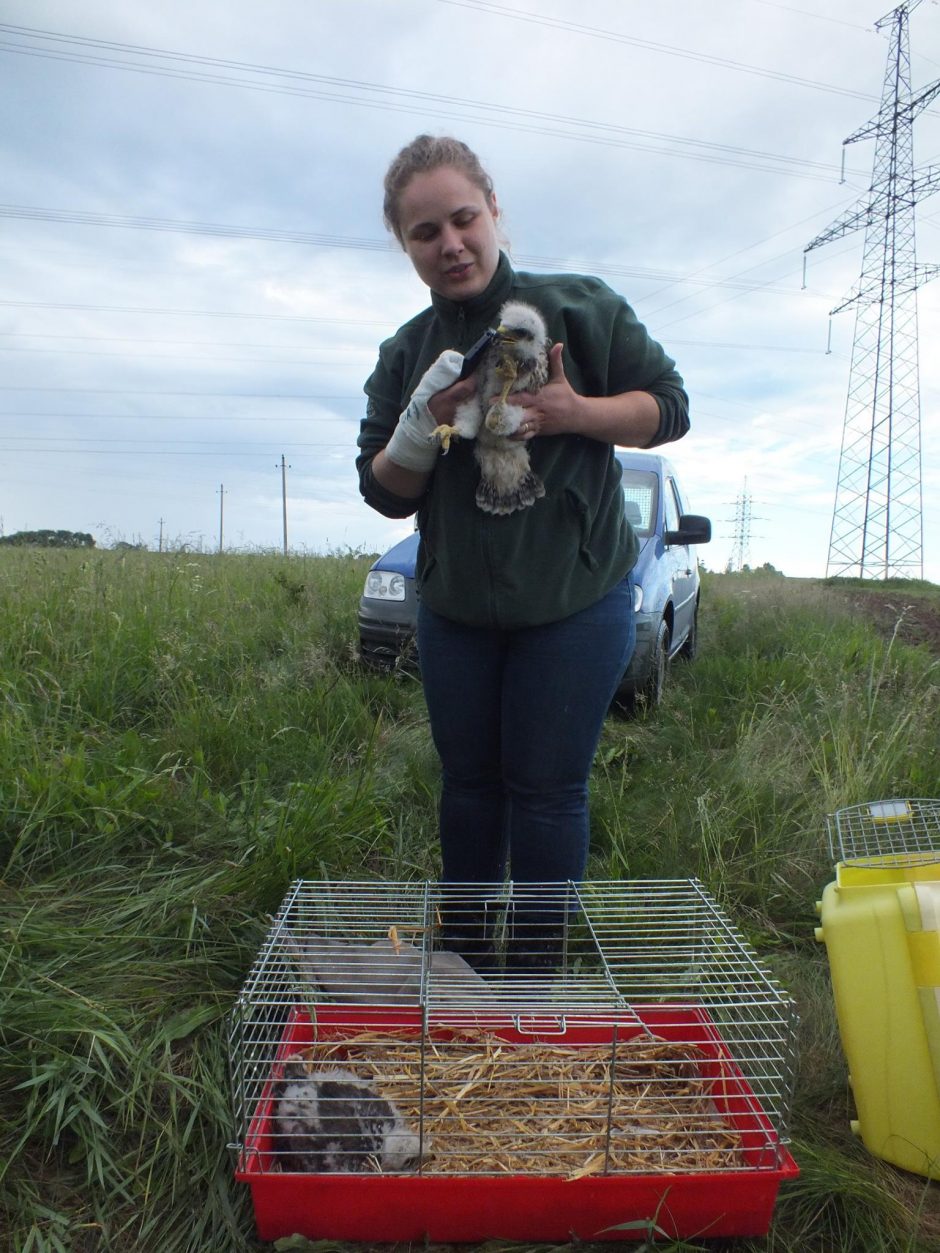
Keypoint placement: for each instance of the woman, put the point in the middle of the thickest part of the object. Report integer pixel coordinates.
(525, 623)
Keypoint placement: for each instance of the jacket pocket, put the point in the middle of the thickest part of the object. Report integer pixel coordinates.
(423, 574)
(426, 562)
(584, 521)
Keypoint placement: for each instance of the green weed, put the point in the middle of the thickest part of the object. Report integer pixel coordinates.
(182, 735)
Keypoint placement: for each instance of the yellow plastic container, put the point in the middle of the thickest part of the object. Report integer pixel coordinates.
(881, 928)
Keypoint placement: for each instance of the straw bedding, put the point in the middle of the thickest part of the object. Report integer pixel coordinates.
(494, 1107)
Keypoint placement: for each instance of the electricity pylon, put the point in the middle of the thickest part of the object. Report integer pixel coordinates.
(877, 522)
(741, 553)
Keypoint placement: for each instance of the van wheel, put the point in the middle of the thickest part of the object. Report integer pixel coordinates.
(689, 650)
(655, 685)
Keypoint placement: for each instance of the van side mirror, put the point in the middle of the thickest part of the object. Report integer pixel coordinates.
(693, 529)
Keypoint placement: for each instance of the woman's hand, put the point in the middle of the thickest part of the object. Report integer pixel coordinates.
(629, 418)
(405, 463)
(555, 409)
(443, 404)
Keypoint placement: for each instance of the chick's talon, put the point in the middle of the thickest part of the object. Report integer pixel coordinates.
(494, 418)
(445, 434)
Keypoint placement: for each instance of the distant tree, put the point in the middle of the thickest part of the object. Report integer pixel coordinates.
(765, 569)
(49, 539)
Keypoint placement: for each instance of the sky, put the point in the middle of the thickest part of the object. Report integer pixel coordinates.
(195, 276)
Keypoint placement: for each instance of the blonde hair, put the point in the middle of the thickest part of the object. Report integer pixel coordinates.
(423, 154)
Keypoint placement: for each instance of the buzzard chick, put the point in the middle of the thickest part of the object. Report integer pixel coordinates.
(516, 361)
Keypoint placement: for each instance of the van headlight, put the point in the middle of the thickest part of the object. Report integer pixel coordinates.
(384, 585)
(637, 598)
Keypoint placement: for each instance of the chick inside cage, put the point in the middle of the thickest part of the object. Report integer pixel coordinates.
(574, 1033)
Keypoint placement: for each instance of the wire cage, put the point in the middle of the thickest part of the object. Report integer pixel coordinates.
(466, 1061)
(884, 834)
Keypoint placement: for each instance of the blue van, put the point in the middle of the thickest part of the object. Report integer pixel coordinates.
(666, 575)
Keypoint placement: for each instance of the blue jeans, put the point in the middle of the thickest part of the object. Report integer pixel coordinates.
(516, 717)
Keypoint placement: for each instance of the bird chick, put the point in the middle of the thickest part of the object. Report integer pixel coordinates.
(334, 1120)
(516, 361)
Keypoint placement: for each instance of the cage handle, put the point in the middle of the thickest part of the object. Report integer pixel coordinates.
(557, 1026)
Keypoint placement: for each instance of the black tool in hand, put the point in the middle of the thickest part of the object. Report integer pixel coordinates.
(474, 355)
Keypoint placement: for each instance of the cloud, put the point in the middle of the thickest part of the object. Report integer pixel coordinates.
(145, 368)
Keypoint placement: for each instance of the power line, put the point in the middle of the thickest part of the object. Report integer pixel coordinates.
(173, 417)
(765, 286)
(196, 313)
(623, 271)
(202, 343)
(195, 360)
(502, 10)
(130, 391)
(749, 248)
(35, 213)
(576, 264)
(151, 339)
(605, 133)
(710, 344)
(721, 344)
(579, 264)
(162, 452)
(144, 50)
(219, 229)
(306, 419)
(649, 314)
(822, 17)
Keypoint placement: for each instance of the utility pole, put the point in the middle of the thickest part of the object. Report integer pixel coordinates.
(284, 469)
(160, 541)
(221, 512)
(877, 523)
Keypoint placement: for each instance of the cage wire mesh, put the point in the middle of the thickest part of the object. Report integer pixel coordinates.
(886, 833)
(552, 1029)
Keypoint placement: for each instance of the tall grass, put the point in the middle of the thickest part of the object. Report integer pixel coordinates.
(183, 735)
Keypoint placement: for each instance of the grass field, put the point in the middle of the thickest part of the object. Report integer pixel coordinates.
(182, 736)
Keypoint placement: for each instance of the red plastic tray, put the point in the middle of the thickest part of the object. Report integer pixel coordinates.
(474, 1208)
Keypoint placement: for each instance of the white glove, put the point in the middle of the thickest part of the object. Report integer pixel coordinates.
(410, 445)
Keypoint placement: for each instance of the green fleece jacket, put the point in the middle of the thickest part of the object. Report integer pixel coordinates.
(573, 545)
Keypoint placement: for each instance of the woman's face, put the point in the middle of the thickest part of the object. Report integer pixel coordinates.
(448, 230)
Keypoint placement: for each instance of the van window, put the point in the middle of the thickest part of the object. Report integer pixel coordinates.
(639, 499)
